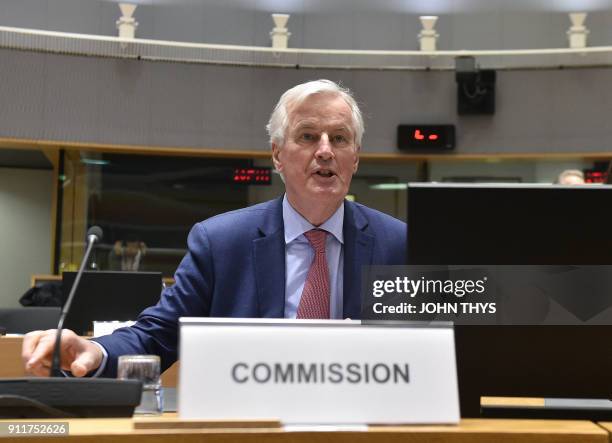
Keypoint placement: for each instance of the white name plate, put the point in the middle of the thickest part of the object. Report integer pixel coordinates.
(316, 372)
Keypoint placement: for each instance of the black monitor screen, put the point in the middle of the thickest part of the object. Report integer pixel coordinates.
(509, 224)
(108, 296)
(518, 224)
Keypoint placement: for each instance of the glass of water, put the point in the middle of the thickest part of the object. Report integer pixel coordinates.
(145, 368)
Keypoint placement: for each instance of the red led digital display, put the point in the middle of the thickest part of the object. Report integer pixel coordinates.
(418, 135)
(425, 137)
(595, 176)
(253, 176)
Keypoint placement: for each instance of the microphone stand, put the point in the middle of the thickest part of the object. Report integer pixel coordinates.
(56, 370)
(59, 396)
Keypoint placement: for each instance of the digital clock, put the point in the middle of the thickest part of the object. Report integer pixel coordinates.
(425, 137)
(253, 176)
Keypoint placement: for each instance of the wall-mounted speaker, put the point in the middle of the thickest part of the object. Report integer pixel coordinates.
(476, 92)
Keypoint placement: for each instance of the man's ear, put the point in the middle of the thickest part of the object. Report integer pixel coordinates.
(276, 157)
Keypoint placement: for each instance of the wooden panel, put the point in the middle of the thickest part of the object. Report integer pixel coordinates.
(79, 211)
(607, 425)
(74, 211)
(14, 143)
(511, 401)
(67, 259)
(10, 356)
(176, 423)
(43, 278)
(170, 376)
(53, 156)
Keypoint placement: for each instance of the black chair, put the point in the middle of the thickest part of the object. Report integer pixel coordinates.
(24, 320)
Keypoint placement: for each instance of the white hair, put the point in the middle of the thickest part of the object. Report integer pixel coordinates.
(565, 176)
(279, 120)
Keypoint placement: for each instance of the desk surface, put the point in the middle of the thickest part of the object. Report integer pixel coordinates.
(607, 425)
(10, 354)
(469, 430)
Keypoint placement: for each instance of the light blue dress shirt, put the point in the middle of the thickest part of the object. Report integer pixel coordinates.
(299, 255)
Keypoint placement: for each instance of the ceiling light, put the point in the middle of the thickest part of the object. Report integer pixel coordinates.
(577, 33)
(390, 186)
(127, 24)
(280, 34)
(428, 35)
(94, 162)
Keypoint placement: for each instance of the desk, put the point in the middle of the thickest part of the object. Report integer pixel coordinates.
(10, 356)
(11, 365)
(607, 426)
(469, 430)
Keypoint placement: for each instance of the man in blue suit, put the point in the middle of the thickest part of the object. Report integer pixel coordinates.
(298, 256)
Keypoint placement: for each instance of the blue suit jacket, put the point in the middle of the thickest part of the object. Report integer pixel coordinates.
(235, 267)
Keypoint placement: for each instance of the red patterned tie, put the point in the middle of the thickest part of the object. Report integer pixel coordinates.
(315, 296)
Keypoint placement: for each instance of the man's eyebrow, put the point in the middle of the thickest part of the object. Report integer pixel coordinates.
(305, 124)
(343, 128)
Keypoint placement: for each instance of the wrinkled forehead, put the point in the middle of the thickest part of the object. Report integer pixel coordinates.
(322, 107)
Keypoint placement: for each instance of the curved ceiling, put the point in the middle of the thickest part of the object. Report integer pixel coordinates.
(327, 24)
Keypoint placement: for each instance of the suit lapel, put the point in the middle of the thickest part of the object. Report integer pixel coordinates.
(269, 262)
(358, 247)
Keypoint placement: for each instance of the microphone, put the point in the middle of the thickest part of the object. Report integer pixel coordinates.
(64, 397)
(94, 235)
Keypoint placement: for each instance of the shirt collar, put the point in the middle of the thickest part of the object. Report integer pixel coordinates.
(296, 225)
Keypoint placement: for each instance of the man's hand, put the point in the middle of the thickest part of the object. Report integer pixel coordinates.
(79, 355)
